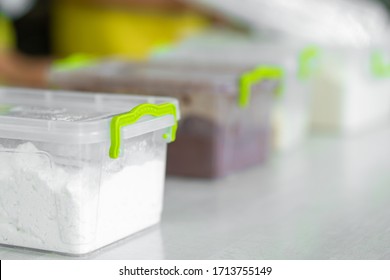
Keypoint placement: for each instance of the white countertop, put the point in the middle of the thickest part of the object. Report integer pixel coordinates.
(329, 199)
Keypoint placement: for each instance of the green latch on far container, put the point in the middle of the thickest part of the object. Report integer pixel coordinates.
(74, 62)
(307, 62)
(380, 68)
(257, 75)
(4, 109)
(133, 116)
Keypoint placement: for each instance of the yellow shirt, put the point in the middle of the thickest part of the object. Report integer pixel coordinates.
(98, 31)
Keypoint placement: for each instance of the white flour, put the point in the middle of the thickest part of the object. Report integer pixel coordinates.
(50, 207)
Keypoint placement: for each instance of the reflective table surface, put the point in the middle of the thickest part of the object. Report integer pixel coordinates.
(327, 199)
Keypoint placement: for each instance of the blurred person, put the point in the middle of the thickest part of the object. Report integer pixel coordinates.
(45, 29)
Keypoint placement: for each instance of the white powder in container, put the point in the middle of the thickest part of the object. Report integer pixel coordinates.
(51, 207)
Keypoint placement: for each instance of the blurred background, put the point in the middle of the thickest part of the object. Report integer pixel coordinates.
(289, 95)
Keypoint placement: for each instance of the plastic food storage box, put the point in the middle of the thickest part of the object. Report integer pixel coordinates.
(351, 90)
(291, 109)
(80, 171)
(217, 135)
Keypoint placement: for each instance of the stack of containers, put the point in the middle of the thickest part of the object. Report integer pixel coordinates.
(224, 127)
(81, 171)
(351, 89)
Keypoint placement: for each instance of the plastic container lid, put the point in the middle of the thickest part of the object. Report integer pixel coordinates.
(122, 75)
(239, 54)
(79, 118)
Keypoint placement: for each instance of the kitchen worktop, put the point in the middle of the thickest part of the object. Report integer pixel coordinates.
(328, 199)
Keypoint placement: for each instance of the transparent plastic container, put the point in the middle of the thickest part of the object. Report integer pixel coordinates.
(80, 171)
(217, 135)
(351, 90)
(291, 109)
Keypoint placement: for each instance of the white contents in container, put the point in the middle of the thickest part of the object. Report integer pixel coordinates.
(72, 197)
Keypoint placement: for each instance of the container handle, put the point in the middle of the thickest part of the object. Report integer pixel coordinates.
(379, 67)
(255, 76)
(74, 62)
(306, 58)
(133, 116)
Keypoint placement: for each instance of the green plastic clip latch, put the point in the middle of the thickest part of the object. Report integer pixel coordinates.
(74, 62)
(133, 116)
(255, 76)
(379, 67)
(4, 109)
(161, 50)
(307, 59)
